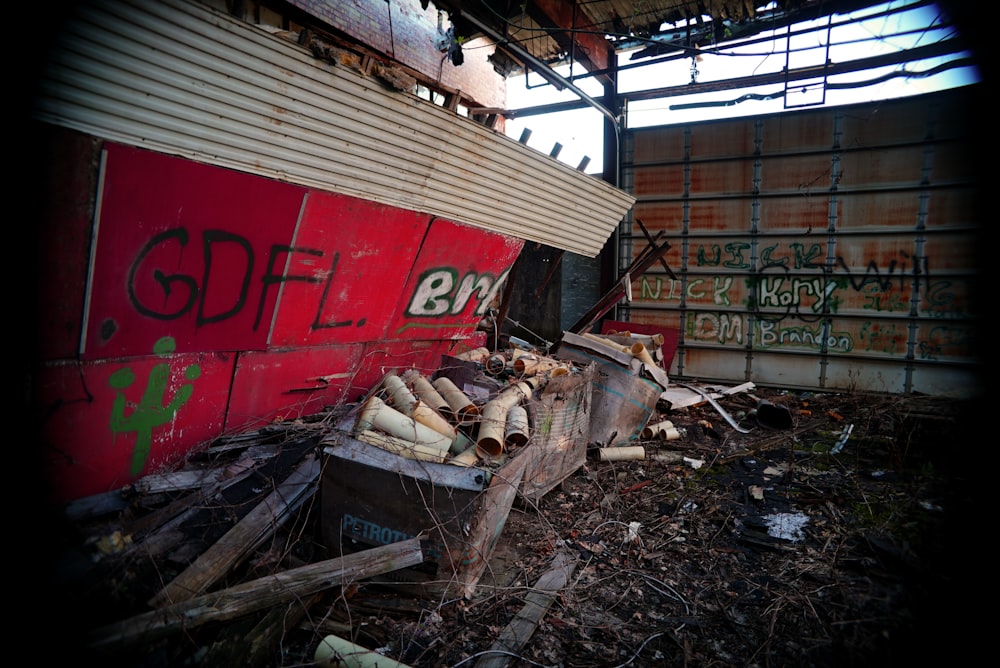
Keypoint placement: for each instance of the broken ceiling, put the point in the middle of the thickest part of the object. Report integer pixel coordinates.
(555, 32)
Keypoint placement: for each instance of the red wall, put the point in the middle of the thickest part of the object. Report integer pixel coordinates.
(185, 301)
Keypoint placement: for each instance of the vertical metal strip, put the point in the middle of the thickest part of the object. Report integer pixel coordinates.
(919, 247)
(680, 353)
(626, 177)
(755, 188)
(831, 247)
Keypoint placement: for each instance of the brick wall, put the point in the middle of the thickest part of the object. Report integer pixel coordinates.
(409, 34)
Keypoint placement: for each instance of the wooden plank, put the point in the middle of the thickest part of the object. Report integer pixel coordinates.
(164, 534)
(260, 594)
(97, 505)
(254, 645)
(520, 629)
(176, 481)
(652, 242)
(244, 537)
(496, 504)
(162, 524)
(620, 289)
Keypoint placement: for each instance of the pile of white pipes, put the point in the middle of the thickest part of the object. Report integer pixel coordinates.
(435, 420)
(641, 346)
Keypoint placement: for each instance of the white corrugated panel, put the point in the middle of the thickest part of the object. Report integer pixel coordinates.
(180, 78)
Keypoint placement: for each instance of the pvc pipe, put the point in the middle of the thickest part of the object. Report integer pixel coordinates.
(519, 361)
(335, 652)
(461, 443)
(620, 454)
(401, 447)
(672, 434)
(426, 393)
(512, 395)
(476, 355)
(399, 394)
(639, 350)
(406, 403)
(492, 424)
(516, 433)
(377, 414)
(429, 417)
(461, 405)
(467, 457)
(653, 430)
(668, 457)
(531, 383)
(655, 339)
(605, 341)
(496, 364)
(530, 367)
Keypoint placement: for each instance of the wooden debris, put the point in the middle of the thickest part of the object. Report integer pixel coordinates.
(517, 634)
(259, 594)
(245, 537)
(175, 481)
(251, 645)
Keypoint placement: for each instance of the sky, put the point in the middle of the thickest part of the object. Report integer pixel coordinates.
(579, 132)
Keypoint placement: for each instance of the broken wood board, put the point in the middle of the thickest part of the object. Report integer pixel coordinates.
(260, 594)
(518, 632)
(245, 536)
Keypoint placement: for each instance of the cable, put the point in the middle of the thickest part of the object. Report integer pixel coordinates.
(547, 344)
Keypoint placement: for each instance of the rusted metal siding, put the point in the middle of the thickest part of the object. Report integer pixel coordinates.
(180, 78)
(831, 249)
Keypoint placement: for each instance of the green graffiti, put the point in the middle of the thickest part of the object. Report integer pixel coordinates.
(440, 292)
(150, 412)
(697, 289)
(773, 335)
(726, 328)
(944, 300)
(434, 325)
(703, 260)
(720, 291)
(735, 250)
(647, 291)
(876, 299)
(883, 337)
(768, 260)
(721, 327)
(816, 294)
(806, 258)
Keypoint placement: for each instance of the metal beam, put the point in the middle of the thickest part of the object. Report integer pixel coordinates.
(517, 50)
(947, 47)
(576, 32)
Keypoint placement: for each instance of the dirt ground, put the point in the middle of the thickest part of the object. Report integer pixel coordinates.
(849, 536)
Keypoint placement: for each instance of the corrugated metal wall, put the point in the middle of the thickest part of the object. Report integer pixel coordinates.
(177, 77)
(830, 249)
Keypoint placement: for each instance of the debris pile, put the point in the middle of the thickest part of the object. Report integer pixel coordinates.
(787, 529)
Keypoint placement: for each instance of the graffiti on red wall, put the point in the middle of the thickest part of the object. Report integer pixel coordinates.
(183, 243)
(215, 299)
(151, 411)
(235, 262)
